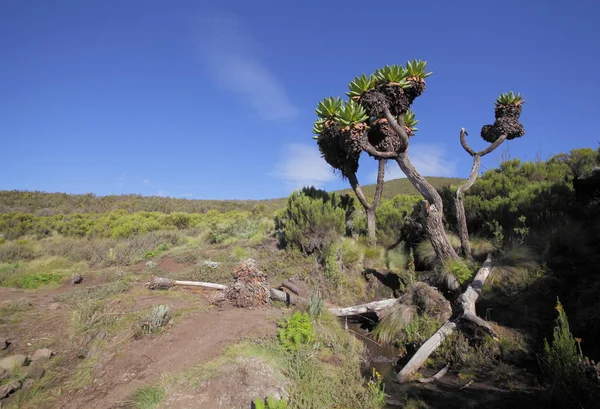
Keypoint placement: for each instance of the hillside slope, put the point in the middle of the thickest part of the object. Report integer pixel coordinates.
(43, 203)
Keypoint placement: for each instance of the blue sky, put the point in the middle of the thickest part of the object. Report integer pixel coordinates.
(215, 100)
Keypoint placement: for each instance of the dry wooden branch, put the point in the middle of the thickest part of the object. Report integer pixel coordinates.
(439, 375)
(466, 303)
(289, 299)
(289, 286)
(164, 283)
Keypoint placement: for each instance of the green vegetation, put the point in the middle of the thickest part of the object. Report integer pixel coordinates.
(312, 221)
(565, 364)
(296, 332)
(148, 398)
(270, 403)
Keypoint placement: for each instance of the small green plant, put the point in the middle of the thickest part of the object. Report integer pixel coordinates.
(296, 332)
(148, 397)
(564, 363)
(521, 231)
(497, 231)
(270, 403)
(377, 387)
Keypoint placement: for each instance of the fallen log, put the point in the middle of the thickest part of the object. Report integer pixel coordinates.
(466, 304)
(157, 283)
(375, 306)
(275, 294)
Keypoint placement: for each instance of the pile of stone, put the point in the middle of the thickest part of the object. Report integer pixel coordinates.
(250, 287)
(20, 371)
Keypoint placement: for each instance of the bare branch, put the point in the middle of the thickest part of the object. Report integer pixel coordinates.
(370, 149)
(493, 146)
(463, 142)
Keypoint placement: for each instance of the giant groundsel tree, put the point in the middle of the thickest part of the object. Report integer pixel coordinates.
(377, 119)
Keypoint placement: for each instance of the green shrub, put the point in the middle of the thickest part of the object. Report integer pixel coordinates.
(351, 253)
(331, 266)
(311, 224)
(296, 332)
(16, 251)
(270, 403)
(33, 280)
(390, 218)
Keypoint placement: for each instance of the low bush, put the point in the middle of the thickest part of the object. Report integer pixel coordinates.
(296, 331)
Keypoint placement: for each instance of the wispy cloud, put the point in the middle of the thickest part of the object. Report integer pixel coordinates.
(230, 55)
(429, 159)
(301, 165)
(146, 182)
(163, 193)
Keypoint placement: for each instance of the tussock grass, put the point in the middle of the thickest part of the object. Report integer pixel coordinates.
(425, 253)
(515, 268)
(148, 397)
(391, 326)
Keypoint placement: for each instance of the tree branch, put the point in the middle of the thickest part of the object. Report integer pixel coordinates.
(380, 180)
(397, 125)
(466, 302)
(493, 146)
(463, 142)
(370, 149)
(358, 190)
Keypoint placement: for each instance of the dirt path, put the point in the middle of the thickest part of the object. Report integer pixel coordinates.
(197, 339)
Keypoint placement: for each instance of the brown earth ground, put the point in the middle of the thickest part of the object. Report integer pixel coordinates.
(197, 336)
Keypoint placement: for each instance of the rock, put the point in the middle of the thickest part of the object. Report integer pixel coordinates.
(35, 371)
(76, 279)
(11, 362)
(41, 355)
(54, 306)
(3, 374)
(151, 264)
(28, 383)
(9, 388)
(4, 343)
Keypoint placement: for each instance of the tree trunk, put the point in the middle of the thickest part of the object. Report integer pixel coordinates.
(466, 304)
(434, 209)
(370, 208)
(461, 218)
(371, 227)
